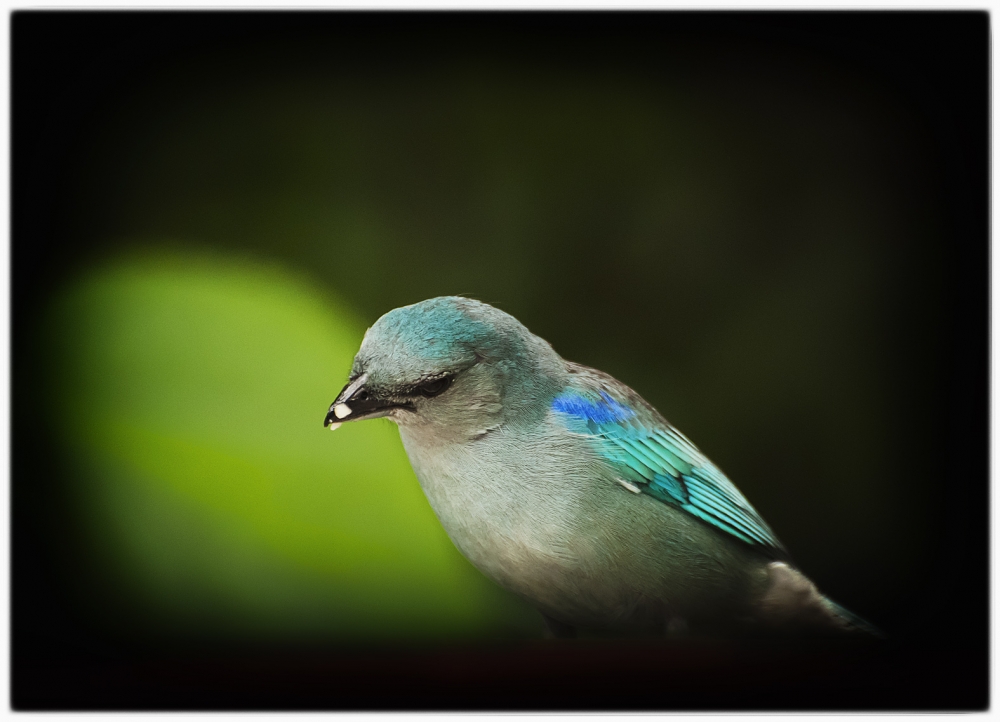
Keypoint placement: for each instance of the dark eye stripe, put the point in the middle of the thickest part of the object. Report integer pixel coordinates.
(435, 387)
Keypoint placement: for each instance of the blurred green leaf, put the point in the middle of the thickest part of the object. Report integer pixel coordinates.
(192, 390)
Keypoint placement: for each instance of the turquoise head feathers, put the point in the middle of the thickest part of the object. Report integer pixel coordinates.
(499, 369)
(425, 340)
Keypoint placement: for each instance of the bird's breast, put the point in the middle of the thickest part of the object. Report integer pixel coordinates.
(510, 505)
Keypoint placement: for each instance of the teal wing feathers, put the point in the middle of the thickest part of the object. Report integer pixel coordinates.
(653, 457)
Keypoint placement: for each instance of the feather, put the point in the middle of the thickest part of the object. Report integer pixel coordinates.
(643, 448)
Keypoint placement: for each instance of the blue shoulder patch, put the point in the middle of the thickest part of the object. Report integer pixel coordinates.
(657, 460)
(604, 411)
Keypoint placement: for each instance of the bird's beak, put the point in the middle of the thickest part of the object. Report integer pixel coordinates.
(357, 402)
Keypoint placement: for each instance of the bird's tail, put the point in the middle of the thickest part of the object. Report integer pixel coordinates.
(852, 621)
(792, 602)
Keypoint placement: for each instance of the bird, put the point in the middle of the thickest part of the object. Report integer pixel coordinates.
(567, 488)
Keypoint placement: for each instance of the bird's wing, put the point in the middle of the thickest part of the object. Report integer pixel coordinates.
(654, 458)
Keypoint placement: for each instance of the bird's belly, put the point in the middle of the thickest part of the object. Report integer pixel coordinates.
(560, 572)
(592, 556)
(580, 579)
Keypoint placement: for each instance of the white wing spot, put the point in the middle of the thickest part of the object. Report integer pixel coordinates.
(341, 410)
(631, 487)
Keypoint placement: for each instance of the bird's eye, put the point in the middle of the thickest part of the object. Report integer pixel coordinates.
(435, 387)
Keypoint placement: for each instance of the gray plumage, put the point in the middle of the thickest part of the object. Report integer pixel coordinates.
(564, 486)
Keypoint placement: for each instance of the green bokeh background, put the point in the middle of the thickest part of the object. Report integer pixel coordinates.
(214, 502)
(751, 234)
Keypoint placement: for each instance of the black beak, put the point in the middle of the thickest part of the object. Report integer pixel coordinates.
(356, 402)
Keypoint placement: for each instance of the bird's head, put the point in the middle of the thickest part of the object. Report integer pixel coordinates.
(454, 366)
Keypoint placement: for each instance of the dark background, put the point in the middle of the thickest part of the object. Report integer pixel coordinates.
(772, 225)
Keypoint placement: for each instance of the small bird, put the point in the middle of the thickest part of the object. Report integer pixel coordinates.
(567, 488)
